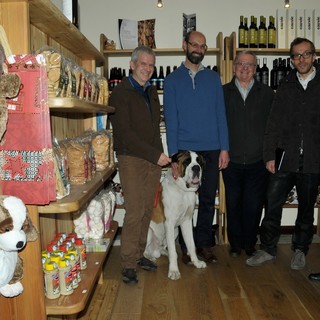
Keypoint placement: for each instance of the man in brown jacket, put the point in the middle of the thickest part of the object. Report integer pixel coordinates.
(139, 151)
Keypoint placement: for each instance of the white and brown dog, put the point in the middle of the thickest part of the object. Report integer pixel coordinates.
(176, 209)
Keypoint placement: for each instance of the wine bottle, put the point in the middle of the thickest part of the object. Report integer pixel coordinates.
(111, 79)
(265, 72)
(174, 68)
(280, 71)
(258, 71)
(154, 77)
(241, 31)
(168, 71)
(273, 75)
(288, 67)
(70, 10)
(262, 34)
(246, 33)
(272, 36)
(256, 32)
(252, 34)
(215, 68)
(160, 79)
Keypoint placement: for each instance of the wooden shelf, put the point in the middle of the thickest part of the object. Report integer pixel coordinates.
(77, 301)
(79, 195)
(158, 52)
(78, 105)
(45, 16)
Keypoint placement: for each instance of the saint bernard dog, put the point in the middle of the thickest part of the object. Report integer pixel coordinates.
(175, 208)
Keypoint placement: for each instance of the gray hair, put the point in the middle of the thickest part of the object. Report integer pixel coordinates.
(141, 49)
(241, 53)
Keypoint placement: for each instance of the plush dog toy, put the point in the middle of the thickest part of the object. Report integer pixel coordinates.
(9, 88)
(16, 229)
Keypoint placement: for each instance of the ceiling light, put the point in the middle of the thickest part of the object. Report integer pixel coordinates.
(286, 4)
(159, 4)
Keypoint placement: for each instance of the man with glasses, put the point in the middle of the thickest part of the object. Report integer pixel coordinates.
(195, 120)
(248, 103)
(293, 128)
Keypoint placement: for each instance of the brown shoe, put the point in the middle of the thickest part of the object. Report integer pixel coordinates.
(186, 258)
(206, 254)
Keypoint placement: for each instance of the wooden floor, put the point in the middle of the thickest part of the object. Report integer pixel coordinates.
(227, 289)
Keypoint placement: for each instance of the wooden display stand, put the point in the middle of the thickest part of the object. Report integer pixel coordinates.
(31, 25)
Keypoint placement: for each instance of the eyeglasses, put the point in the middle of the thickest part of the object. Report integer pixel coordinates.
(305, 55)
(245, 64)
(203, 47)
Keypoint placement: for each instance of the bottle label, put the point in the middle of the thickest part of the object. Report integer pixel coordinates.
(241, 37)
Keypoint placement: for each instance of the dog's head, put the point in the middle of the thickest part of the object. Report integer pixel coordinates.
(190, 166)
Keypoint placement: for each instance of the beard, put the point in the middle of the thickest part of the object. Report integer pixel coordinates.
(195, 58)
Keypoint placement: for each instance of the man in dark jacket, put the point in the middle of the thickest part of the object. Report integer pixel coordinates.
(139, 151)
(293, 129)
(248, 103)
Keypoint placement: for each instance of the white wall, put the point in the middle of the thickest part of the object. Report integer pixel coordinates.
(101, 16)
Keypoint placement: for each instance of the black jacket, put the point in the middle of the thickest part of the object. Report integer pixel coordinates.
(247, 121)
(295, 116)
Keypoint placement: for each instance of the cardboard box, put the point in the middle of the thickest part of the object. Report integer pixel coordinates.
(300, 29)
(309, 22)
(291, 26)
(316, 28)
(281, 25)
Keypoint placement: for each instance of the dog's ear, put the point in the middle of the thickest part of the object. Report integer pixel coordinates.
(201, 161)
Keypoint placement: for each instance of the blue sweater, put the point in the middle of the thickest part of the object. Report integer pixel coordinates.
(195, 114)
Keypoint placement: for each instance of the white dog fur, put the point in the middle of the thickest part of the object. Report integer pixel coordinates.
(176, 209)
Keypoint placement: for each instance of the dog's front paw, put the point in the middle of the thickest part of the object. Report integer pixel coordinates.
(174, 274)
(199, 264)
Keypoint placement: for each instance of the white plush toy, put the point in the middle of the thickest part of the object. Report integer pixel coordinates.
(16, 229)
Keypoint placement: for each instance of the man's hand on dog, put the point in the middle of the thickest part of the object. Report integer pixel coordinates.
(163, 160)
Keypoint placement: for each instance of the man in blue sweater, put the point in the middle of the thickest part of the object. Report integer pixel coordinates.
(195, 120)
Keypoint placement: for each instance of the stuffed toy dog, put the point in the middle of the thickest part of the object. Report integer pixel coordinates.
(16, 229)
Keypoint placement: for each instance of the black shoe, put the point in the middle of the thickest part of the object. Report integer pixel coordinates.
(235, 252)
(129, 276)
(206, 254)
(250, 251)
(147, 264)
(314, 276)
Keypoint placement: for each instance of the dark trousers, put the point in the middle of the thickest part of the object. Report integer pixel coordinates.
(203, 234)
(246, 186)
(280, 185)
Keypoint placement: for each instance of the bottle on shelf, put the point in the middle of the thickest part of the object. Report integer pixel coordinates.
(241, 30)
(246, 33)
(288, 66)
(123, 73)
(281, 71)
(168, 71)
(160, 79)
(111, 79)
(273, 75)
(258, 71)
(215, 68)
(262, 33)
(154, 77)
(272, 34)
(256, 32)
(174, 68)
(265, 72)
(252, 34)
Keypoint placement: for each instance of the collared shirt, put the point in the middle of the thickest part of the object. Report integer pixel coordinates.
(192, 73)
(304, 82)
(141, 89)
(244, 91)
